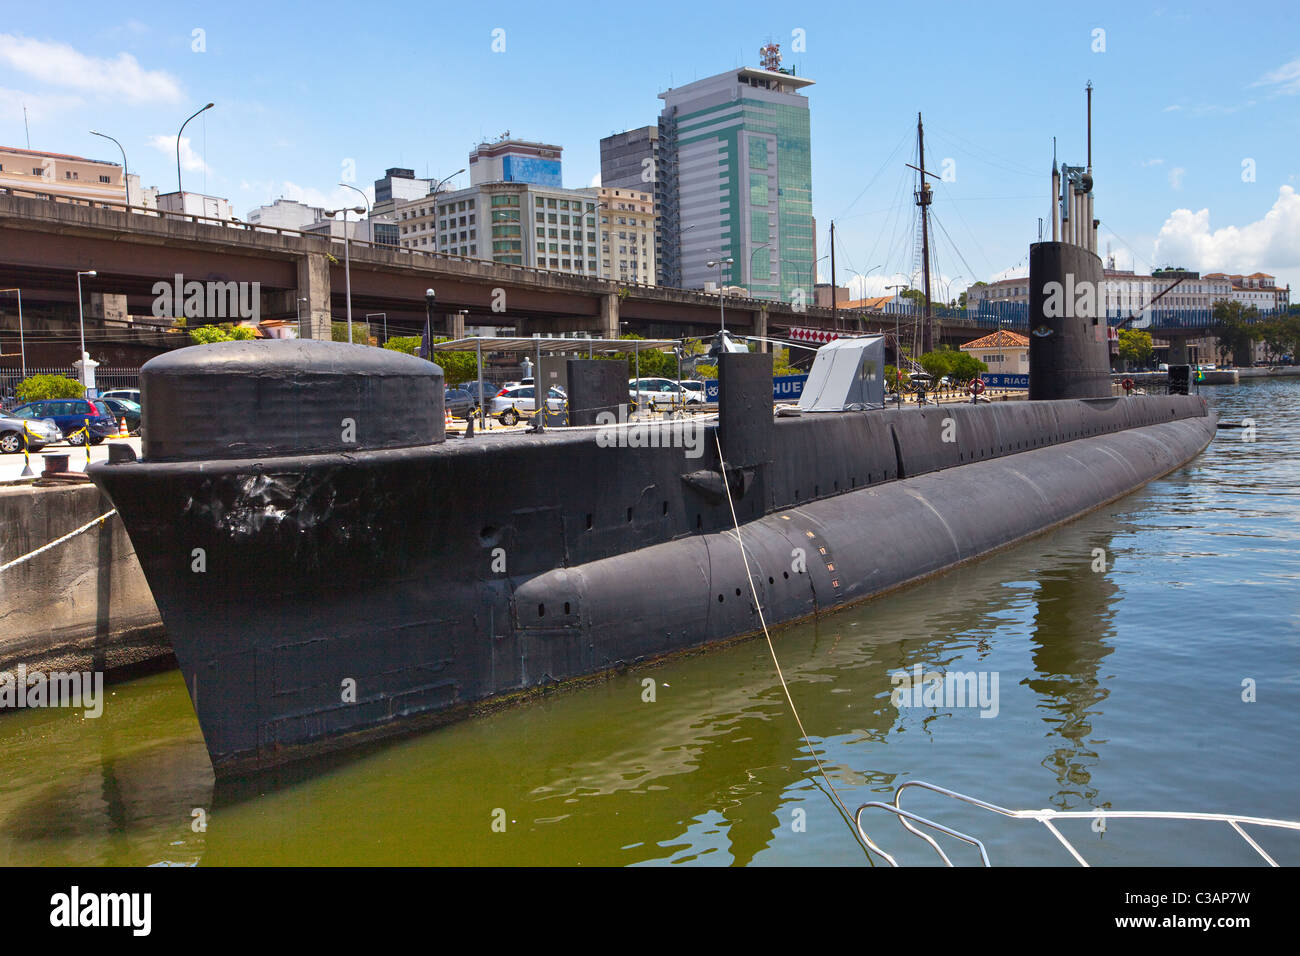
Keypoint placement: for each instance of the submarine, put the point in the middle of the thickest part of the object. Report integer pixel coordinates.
(332, 568)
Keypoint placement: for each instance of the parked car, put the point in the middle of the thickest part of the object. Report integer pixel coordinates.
(70, 415)
(657, 392)
(695, 388)
(38, 433)
(123, 408)
(510, 403)
(130, 394)
(460, 403)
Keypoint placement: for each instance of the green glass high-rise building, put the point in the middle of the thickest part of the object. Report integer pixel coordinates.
(735, 171)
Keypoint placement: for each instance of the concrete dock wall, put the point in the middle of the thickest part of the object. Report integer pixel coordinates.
(82, 605)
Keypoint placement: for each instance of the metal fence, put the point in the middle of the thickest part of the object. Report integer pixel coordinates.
(105, 377)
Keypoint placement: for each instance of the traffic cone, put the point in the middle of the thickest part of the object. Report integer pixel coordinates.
(121, 429)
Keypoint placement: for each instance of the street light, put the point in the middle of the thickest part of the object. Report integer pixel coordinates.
(22, 347)
(125, 182)
(370, 226)
(301, 300)
(763, 245)
(898, 345)
(722, 309)
(179, 189)
(81, 315)
(347, 262)
(434, 193)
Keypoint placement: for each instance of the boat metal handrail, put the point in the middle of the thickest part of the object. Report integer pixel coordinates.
(1046, 817)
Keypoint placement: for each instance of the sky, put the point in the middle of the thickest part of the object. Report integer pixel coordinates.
(1196, 108)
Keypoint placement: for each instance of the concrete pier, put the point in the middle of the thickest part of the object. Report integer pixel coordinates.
(82, 605)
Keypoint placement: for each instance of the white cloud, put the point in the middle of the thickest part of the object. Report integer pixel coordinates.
(190, 160)
(337, 198)
(1271, 244)
(1176, 177)
(58, 64)
(1151, 162)
(595, 182)
(1286, 78)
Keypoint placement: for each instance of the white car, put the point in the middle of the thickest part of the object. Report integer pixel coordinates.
(512, 402)
(695, 388)
(661, 393)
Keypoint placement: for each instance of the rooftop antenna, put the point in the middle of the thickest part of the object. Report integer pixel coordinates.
(26, 127)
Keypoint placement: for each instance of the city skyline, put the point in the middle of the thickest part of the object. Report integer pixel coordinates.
(1192, 164)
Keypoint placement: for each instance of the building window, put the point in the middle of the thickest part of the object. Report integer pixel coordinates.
(102, 179)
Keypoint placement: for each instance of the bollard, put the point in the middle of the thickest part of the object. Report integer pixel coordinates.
(27, 456)
(54, 465)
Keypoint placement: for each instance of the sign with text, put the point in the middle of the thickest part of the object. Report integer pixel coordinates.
(998, 380)
(785, 388)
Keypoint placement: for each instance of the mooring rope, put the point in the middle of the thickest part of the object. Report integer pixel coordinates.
(57, 541)
(753, 589)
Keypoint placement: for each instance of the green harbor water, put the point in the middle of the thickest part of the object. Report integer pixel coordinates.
(1119, 689)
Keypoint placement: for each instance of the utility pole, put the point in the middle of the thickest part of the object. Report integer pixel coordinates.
(834, 318)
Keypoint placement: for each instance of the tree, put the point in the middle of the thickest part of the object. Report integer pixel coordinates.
(226, 332)
(966, 367)
(36, 387)
(915, 295)
(1135, 346)
(360, 332)
(406, 344)
(1233, 327)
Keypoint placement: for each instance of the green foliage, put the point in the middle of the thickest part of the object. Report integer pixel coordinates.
(1234, 327)
(1280, 335)
(958, 366)
(653, 363)
(403, 343)
(360, 332)
(916, 295)
(1135, 346)
(36, 387)
(706, 372)
(226, 332)
(891, 378)
(457, 367)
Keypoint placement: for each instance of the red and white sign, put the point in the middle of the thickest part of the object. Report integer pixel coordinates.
(820, 336)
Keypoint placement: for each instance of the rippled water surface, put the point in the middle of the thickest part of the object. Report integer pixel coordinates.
(1119, 689)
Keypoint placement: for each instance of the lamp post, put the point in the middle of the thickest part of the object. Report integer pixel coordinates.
(81, 315)
(722, 308)
(347, 262)
(126, 184)
(898, 345)
(434, 193)
(179, 188)
(370, 226)
(428, 323)
(594, 211)
(22, 347)
(301, 300)
(763, 245)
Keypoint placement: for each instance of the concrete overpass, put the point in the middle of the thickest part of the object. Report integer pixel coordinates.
(44, 243)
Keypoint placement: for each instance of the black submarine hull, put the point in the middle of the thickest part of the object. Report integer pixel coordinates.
(349, 595)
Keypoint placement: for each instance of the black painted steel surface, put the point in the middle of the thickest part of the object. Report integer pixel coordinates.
(347, 595)
(1069, 355)
(287, 396)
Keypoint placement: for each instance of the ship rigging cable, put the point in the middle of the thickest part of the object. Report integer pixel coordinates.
(753, 590)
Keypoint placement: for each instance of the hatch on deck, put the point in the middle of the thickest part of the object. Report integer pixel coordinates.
(846, 374)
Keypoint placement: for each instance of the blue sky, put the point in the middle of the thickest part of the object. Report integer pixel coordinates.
(1184, 95)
